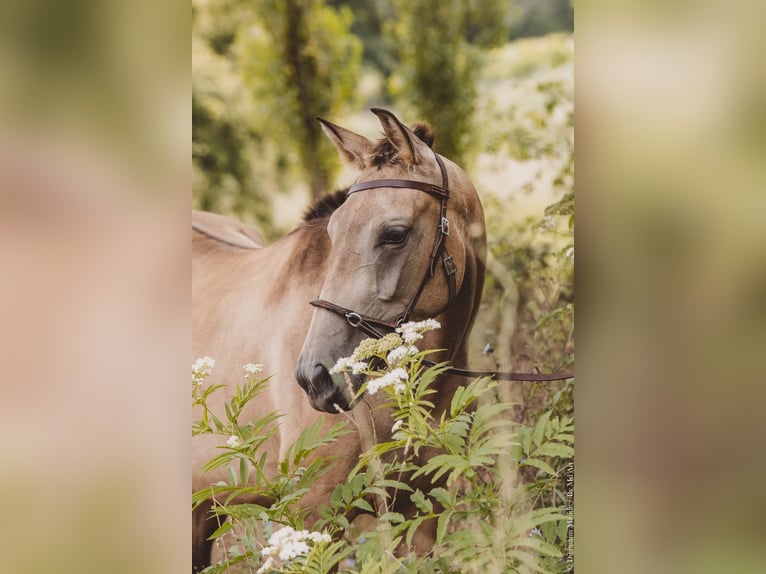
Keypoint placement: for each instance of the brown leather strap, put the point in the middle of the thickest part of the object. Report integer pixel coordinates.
(505, 376)
(450, 269)
(431, 188)
(359, 321)
(367, 325)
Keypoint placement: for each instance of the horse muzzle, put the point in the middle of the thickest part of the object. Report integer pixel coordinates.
(323, 392)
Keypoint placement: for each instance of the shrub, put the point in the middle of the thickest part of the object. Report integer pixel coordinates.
(487, 519)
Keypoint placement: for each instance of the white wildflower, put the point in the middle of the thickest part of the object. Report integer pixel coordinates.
(233, 441)
(396, 378)
(201, 368)
(358, 367)
(396, 356)
(410, 336)
(340, 365)
(348, 364)
(252, 369)
(413, 330)
(288, 543)
(317, 537)
(397, 425)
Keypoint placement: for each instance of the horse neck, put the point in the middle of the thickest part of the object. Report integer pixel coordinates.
(304, 253)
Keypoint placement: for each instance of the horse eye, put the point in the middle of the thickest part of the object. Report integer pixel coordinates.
(394, 235)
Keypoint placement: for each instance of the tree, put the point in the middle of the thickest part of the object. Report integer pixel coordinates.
(439, 47)
(300, 61)
(225, 144)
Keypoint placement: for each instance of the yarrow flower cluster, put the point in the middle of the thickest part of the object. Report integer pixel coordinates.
(399, 354)
(252, 369)
(201, 369)
(396, 347)
(397, 379)
(348, 364)
(368, 348)
(288, 544)
(413, 330)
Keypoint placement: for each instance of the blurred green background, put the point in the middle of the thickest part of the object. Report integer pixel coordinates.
(491, 76)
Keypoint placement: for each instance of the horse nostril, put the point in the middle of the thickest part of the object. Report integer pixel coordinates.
(319, 373)
(322, 393)
(315, 379)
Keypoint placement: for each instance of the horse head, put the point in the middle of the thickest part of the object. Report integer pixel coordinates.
(408, 243)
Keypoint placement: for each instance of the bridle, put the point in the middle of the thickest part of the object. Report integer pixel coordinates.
(371, 326)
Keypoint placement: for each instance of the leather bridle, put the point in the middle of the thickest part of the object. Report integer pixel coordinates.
(371, 326)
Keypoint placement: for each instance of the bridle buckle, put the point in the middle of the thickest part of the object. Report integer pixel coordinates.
(445, 226)
(449, 265)
(354, 319)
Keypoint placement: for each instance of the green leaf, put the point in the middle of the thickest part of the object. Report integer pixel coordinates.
(442, 464)
(221, 530)
(342, 521)
(244, 470)
(414, 525)
(540, 428)
(392, 517)
(442, 496)
(391, 483)
(555, 449)
(544, 466)
(421, 502)
(441, 525)
(525, 434)
(362, 504)
(219, 460)
(566, 437)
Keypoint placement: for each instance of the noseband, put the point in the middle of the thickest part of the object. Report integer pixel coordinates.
(370, 325)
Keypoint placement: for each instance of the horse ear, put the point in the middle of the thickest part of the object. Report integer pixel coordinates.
(353, 147)
(410, 147)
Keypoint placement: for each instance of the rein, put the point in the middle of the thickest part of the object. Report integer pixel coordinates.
(372, 326)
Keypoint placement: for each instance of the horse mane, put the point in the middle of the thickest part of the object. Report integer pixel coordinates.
(325, 205)
(385, 153)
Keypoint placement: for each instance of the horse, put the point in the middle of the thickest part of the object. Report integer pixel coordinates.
(405, 242)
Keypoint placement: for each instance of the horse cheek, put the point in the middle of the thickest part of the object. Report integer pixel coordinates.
(388, 275)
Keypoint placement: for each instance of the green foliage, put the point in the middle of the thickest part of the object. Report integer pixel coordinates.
(369, 19)
(261, 73)
(225, 143)
(527, 313)
(300, 61)
(458, 468)
(262, 70)
(539, 17)
(439, 52)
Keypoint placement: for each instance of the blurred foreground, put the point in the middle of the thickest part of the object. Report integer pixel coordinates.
(94, 295)
(94, 181)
